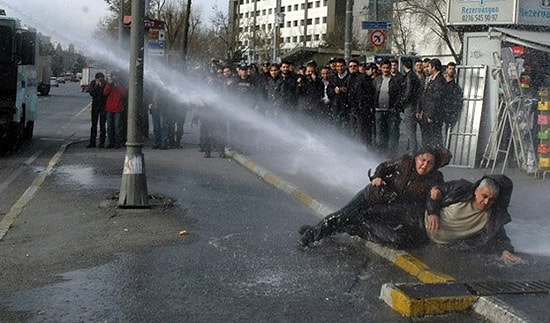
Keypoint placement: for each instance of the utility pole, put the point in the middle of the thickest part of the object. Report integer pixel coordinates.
(252, 54)
(185, 46)
(348, 33)
(133, 189)
(121, 24)
(277, 31)
(305, 24)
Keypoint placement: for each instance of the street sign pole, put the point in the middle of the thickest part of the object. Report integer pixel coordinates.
(133, 189)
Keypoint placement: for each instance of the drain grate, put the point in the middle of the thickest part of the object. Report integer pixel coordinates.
(492, 288)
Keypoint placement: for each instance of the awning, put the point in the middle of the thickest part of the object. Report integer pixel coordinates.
(533, 39)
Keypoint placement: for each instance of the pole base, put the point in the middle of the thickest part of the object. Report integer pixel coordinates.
(133, 189)
(133, 192)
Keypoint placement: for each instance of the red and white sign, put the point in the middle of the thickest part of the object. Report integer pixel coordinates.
(377, 37)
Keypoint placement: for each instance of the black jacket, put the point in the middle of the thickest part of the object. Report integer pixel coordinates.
(395, 88)
(493, 238)
(98, 98)
(411, 91)
(433, 99)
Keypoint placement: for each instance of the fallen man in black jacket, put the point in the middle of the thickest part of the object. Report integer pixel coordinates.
(472, 216)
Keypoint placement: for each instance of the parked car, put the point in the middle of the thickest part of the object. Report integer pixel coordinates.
(53, 81)
(61, 79)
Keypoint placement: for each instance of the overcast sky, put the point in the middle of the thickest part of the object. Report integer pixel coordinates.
(69, 20)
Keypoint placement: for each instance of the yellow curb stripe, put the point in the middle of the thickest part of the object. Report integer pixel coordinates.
(278, 182)
(407, 306)
(27, 196)
(420, 270)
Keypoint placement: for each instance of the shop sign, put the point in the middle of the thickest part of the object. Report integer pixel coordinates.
(498, 12)
(534, 12)
(482, 12)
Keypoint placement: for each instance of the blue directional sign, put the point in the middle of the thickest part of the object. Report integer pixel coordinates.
(375, 25)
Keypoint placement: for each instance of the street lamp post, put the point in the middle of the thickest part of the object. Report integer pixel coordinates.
(133, 189)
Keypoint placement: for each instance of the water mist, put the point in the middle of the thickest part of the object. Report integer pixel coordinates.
(324, 155)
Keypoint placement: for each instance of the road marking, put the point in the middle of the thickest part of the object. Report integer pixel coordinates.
(83, 110)
(18, 172)
(27, 196)
(32, 158)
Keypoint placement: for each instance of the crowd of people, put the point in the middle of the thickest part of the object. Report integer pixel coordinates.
(366, 101)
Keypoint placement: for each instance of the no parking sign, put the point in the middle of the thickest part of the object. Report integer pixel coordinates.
(377, 37)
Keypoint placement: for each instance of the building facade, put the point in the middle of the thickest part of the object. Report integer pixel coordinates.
(265, 30)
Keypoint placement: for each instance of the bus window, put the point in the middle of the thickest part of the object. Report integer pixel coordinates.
(6, 45)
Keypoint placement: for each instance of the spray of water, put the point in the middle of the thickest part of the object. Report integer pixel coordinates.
(326, 156)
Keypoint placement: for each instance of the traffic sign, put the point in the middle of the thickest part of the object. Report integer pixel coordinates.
(375, 25)
(377, 37)
(156, 47)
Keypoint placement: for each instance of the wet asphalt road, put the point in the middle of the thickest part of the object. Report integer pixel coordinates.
(71, 256)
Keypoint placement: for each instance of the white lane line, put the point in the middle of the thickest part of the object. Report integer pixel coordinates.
(27, 196)
(18, 172)
(83, 110)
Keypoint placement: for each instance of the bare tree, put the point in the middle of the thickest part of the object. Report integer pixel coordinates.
(402, 32)
(431, 13)
(222, 33)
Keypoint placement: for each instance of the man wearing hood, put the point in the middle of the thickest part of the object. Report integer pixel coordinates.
(472, 216)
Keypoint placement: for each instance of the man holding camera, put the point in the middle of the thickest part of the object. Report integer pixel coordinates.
(98, 110)
(310, 91)
(337, 91)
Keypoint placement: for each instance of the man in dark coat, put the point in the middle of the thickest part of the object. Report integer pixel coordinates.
(431, 111)
(310, 92)
(471, 216)
(360, 98)
(98, 110)
(288, 88)
(409, 102)
(337, 92)
(453, 103)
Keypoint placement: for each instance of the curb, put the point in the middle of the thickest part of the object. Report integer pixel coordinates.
(427, 299)
(394, 294)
